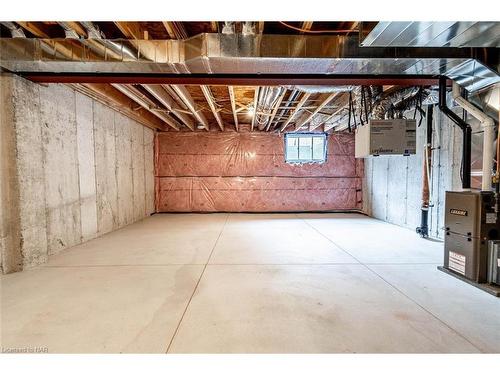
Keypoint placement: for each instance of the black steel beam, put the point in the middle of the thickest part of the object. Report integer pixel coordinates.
(233, 79)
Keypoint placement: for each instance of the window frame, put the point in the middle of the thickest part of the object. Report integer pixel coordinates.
(313, 135)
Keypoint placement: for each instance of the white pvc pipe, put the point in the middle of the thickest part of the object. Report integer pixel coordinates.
(488, 136)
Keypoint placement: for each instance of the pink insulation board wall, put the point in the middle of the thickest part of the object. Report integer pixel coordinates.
(247, 172)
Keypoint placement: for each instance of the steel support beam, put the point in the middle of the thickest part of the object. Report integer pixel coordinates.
(233, 79)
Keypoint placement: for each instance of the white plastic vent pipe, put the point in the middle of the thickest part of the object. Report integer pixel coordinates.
(488, 137)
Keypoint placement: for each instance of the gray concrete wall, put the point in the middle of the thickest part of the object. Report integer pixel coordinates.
(72, 169)
(11, 260)
(392, 186)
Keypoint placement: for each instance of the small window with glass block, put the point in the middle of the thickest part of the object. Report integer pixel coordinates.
(305, 147)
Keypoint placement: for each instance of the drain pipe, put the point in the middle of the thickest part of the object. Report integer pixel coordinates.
(423, 229)
(467, 134)
(488, 126)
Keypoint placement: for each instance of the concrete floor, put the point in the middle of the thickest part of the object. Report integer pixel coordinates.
(263, 283)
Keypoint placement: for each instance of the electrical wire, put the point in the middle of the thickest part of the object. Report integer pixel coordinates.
(316, 31)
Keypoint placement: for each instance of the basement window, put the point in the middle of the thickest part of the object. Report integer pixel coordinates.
(305, 147)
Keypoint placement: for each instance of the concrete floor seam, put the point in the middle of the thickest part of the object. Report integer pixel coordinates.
(235, 264)
(283, 264)
(122, 265)
(396, 288)
(328, 238)
(196, 286)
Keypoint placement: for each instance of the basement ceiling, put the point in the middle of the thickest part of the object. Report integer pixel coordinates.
(227, 76)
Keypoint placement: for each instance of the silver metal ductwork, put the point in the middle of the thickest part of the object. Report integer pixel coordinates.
(69, 32)
(248, 55)
(165, 99)
(15, 31)
(434, 34)
(134, 94)
(186, 98)
(267, 101)
(92, 30)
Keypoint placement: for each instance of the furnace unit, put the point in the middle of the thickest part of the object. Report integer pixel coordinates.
(470, 223)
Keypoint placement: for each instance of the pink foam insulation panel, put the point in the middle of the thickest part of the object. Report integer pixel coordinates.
(247, 172)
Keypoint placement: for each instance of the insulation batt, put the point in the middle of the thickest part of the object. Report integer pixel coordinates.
(247, 172)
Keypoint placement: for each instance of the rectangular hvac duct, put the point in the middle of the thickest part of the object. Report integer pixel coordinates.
(434, 34)
(216, 54)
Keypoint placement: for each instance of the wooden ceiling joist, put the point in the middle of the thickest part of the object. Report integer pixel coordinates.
(306, 25)
(233, 106)
(134, 94)
(168, 102)
(309, 117)
(295, 110)
(133, 30)
(211, 103)
(130, 30)
(255, 103)
(341, 107)
(275, 109)
(114, 98)
(175, 30)
(77, 28)
(35, 28)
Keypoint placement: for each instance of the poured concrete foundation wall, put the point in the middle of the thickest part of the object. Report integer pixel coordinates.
(393, 184)
(72, 169)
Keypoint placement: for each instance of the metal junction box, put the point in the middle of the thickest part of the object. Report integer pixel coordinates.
(470, 222)
(386, 137)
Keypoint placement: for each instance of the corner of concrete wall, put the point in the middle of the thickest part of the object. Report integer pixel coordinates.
(149, 137)
(10, 234)
(30, 161)
(393, 184)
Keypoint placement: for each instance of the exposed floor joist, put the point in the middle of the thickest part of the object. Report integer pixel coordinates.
(308, 118)
(183, 93)
(161, 95)
(114, 98)
(144, 102)
(255, 102)
(210, 100)
(233, 106)
(295, 110)
(275, 109)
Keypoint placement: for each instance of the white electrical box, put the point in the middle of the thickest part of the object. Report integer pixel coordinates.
(386, 137)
